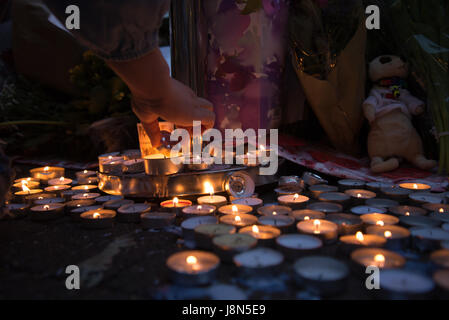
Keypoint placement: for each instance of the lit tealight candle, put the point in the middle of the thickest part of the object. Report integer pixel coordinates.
(375, 257)
(347, 223)
(284, 223)
(175, 205)
(85, 196)
(415, 186)
(58, 189)
(359, 196)
(235, 209)
(86, 188)
(379, 219)
(240, 220)
(47, 211)
(351, 242)
(83, 175)
(46, 173)
(294, 201)
(59, 181)
(31, 184)
(266, 235)
(192, 267)
(98, 219)
(255, 203)
(408, 211)
(274, 210)
(199, 210)
(307, 214)
(325, 230)
(436, 207)
(212, 199)
(20, 196)
(397, 237)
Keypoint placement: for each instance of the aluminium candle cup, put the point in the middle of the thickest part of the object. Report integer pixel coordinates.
(335, 197)
(346, 184)
(375, 257)
(418, 221)
(86, 188)
(228, 245)
(59, 181)
(239, 220)
(326, 230)
(270, 210)
(381, 203)
(361, 210)
(415, 186)
(294, 246)
(47, 212)
(163, 167)
(58, 189)
(376, 186)
(307, 214)
(130, 213)
(428, 239)
(316, 190)
(255, 203)
(103, 199)
(378, 219)
(407, 211)
(440, 259)
(421, 198)
(283, 223)
(206, 232)
(295, 201)
(349, 243)
(98, 219)
(441, 279)
(198, 210)
(258, 262)
(192, 268)
(213, 200)
(133, 166)
(157, 220)
(110, 164)
(265, 235)
(85, 196)
(46, 173)
(175, 206)
(188, 226)
(359, 196)
(398, 238)
(397, 194)
(404, 285)
(115, 204)
(326, 207)
(235, 209)
(323, 275)
(17, 210)
(73, 204)
(347, 223)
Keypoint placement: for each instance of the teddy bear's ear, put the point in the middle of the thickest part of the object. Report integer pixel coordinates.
(385, 59)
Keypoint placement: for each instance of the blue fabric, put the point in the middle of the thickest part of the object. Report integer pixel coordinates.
(116, 29)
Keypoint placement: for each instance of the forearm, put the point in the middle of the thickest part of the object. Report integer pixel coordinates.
(116, 29)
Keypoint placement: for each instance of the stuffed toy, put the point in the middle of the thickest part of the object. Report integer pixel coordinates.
(389, 109)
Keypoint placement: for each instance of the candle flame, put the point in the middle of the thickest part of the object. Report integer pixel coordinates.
(25, 188)
(255, 229)
(275, 213)
(441, 210)
(262, 147)
(85, 195)
(407, 213)
(238, 219)
(175, 201)
(86, 187)
(61, 179)
(317, 225)
(191, 260)
(379, 259)
(85, 171)
(295, 197)
(208, 188)
(380, 223)
(47, 168)
(306, 218)
(96, 215)
(388, 234)
(234, 209)
(415, 186)
(199, 207)
(46, 207)
(359, 195)
(24, 182)
(359, 236)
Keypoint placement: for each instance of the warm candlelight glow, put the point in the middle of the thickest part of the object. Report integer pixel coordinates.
(255, 229)
(306, 218)
(191, 260)
(380, 223)
(86, 187)
(47, 168)
(175, 201)
(388, 234)
(274, 213)
(359, 236)
(61, 179)
(234, 209)
(295, 197)
(380, 260)
(208, 188)
(415, 186)
(237, 219)
(25, 188)
(441, 210)
(85, 195)
(96, 215)
(407, 213)
(46, 207)
(199, 207)
(359, 195)
(317, 224)
(85, 171)
(262, 147)
(24, 182)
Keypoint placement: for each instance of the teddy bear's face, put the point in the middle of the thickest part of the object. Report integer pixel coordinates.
(387, 66)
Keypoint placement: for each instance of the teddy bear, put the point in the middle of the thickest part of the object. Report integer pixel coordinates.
(389, 109)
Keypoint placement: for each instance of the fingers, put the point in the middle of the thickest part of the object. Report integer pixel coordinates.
(153, 131)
